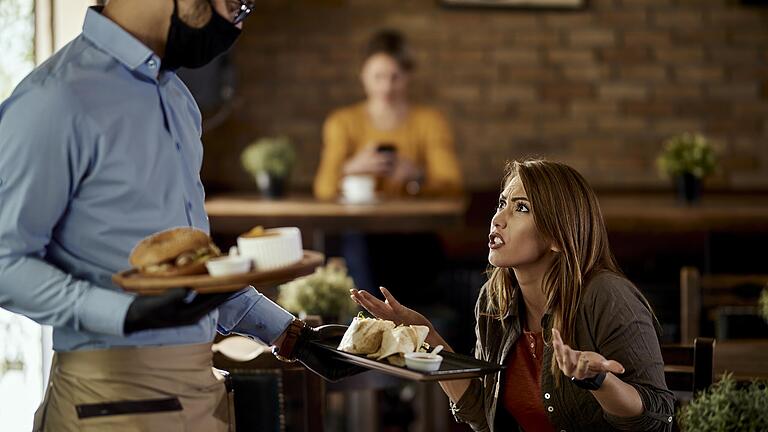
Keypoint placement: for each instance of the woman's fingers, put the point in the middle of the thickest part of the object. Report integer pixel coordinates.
(373, 305)
(570, 360)
(567, 358)
(581, 364)
(613, 366)
(354, 297)
(556, 336)
(557, 347)
(561, 355)
(582, 367)
(360, 298)
(390, 298)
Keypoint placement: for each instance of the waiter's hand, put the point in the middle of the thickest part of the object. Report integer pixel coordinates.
(319, 360)
(172, 308)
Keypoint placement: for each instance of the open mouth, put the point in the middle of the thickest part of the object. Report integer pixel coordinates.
(495, 241)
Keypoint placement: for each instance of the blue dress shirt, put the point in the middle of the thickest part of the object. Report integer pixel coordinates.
(99, 148)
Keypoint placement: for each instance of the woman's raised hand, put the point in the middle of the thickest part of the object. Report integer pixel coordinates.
(581, 364)
(390, 309)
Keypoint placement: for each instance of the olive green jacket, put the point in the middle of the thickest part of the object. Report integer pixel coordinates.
(614, 320)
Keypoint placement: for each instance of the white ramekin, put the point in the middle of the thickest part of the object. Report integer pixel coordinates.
(228, 265)
(425, 362)
(282, 248)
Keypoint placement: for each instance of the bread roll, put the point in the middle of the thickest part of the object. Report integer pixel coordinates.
(174, 252)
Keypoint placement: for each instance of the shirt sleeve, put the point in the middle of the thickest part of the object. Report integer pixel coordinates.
(625, 331)
(251, 313)
(44, 143)
(442, 171)
(335, 152)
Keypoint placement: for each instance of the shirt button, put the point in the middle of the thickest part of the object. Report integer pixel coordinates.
(547, 396)
(669, 419)
(178, 146)
(152, 63)
(550, 409)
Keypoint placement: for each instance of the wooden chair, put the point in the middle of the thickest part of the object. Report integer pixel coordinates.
(689, 369)
(272, 396)
(701, 296)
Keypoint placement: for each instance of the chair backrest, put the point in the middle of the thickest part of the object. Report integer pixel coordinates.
(689, 368)
(703, 292)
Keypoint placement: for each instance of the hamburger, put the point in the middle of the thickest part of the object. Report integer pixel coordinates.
(174, 252)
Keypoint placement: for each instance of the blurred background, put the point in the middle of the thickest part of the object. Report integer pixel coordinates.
(601, 85)
(598, 87)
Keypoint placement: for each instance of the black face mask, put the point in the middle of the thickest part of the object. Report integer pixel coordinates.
(191, 47)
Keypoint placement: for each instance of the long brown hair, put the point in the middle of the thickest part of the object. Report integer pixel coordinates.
(566, 212)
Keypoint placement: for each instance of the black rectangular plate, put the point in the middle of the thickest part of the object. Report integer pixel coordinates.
(454, 366)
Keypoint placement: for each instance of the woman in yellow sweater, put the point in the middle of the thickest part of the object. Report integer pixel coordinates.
(408, 148)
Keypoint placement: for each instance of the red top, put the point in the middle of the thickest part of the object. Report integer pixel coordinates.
(522, 383)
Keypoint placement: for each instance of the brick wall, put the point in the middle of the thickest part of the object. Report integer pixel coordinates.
(597, 88)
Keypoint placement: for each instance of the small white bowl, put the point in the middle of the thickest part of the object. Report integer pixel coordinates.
(424, 362)
(281, 247)
(228, 265)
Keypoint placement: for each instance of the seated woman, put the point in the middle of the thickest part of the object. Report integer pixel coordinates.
(408, 148)
(580, 343)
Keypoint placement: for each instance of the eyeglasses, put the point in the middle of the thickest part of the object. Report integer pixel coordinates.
(245, 9)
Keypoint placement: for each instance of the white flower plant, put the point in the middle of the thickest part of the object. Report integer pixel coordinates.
(324, 293)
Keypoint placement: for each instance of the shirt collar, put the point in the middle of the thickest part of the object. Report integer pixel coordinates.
(514, 310)
(117, 42)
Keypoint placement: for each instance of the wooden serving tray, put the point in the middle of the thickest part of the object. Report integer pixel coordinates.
(454, 366)
(131, 280)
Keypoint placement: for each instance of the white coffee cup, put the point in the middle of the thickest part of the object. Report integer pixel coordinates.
(359, 188)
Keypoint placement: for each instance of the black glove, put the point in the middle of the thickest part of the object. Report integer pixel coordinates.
(323, 361)
(170, 309)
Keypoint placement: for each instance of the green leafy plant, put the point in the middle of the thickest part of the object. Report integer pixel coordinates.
(727, 406)
(687, 153)
(764, 303)
(324, 293)
(272, 155)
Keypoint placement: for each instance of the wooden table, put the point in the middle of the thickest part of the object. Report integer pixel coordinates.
(660, 212)
(723, 230)
(746, 358)
(234, 214)
(623, 211)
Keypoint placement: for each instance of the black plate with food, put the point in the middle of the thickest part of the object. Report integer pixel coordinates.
(454, 366)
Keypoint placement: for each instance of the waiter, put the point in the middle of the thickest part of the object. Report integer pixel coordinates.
(99, 148)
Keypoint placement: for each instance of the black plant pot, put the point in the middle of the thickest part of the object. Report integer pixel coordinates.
(688, 188)
(270, 186)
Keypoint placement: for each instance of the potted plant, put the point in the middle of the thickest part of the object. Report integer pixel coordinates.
(687, 158)
(727, 406)
(270, 160)
(324, 293)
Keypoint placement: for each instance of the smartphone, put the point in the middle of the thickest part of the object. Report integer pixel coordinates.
(387, 148)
